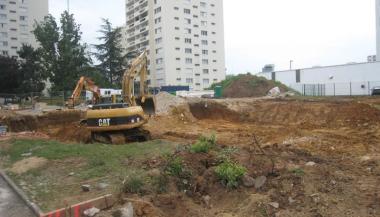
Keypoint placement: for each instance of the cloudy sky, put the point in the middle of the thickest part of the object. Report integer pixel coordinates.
(258, 32)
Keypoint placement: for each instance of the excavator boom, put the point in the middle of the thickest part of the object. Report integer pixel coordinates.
(84, 83)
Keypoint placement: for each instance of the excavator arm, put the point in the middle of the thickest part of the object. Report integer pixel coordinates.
(138, 68)
(87, 84)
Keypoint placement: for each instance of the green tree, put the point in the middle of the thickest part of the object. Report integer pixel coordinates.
(31, 72)
(64, 57)
(110, 53)
(10, 78)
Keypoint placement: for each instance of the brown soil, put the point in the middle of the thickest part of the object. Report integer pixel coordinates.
(251, 86)
(341, 136)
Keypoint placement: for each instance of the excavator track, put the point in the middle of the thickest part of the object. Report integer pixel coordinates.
(121, 137)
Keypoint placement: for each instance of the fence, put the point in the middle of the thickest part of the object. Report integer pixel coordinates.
(337, 89)
(31, 100)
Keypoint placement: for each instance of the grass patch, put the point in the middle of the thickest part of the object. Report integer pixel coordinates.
(91, 163)
(230, 173)
(298, 172)
(204, 144)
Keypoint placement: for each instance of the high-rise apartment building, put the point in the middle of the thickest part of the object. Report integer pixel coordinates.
(184, 39)
(17, 18)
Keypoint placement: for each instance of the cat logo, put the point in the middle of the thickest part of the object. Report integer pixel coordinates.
(104, 122)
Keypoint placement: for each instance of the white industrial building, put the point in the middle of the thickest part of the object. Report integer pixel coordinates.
(17, 18)
(339, 80)
(184, 39)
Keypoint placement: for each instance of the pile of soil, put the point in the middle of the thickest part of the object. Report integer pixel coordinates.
(166, 101)
(250, 86)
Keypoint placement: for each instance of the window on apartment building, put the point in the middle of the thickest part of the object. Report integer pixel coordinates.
(205, 52)
(5, 43)
(177, 38)
(12, 12)
(5, 53)
(189, 80)
(214, 42)
(159, 61)
(203, 23)
(4, 34)
(179, 79)
(213, 24)
(187, 21)
(158, 30)
(158, 40)
(176, 18)
(205, 61)
(23, 18)
(13, 29)
(14, 39)
(203, 4)
(3, 25)
(159, 50)
(215, 70)
(14, 48)
(157, 10)
(176, 8)
(157, 20)
(197, 55)
(189, 61)
(196, 36)
(212, 5)
(188, 50)
(214, 61)
(187, 31)
(178, 59)
(205, 71)
(214, 51)
(3, 16)
(195, 16)
(194, 6)
(2, 7)
(203, 14)
(176, 28)
(204, 33)
(213, 14)
(186, 11)
(12, 2)
(177, 48)
(188, 40)
(206, 81)
(214, 33)
(215, 80)
(204, 42)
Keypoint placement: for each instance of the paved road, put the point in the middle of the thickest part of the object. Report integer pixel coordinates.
(10, 204)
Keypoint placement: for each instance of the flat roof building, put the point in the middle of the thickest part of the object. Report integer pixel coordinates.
(184, 40)
(17, 18)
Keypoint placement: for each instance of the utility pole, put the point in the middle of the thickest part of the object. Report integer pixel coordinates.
(291, 62)
(68, 6)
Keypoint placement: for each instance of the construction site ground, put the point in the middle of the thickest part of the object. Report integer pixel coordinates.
(320, 157)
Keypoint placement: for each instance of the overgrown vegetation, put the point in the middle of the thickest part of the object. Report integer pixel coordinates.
(230, 173)
(133, 184)
(174, 166)
(204, 144)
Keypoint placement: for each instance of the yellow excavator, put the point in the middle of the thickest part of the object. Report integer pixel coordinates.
(119, 123)
(87, 84)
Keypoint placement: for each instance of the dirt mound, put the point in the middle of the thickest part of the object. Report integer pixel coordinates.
(250, 86)
(72, 132)
(19, 123)
(166, 101)
(213, 110)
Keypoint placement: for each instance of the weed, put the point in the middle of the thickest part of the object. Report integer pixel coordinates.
(298, 172)
(174, 166)
(133, 185)
(226, 153)
(230, 173)
(204, 144)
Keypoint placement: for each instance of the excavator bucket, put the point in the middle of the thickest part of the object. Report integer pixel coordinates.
(148, 104)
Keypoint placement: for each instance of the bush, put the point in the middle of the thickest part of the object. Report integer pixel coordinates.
(174, 166)
(230, 173)
(204, 144)
(133, 185)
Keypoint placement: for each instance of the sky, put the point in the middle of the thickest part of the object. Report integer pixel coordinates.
(259, 32)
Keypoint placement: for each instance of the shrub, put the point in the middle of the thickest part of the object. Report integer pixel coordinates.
(174, 166)
(133, 184)
(230, 173)
(226, 153)
(204, 144)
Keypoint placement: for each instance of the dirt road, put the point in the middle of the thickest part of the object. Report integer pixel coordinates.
(10, 204)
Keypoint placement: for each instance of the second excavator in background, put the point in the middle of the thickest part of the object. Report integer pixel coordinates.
(119, 123)
(84, 83)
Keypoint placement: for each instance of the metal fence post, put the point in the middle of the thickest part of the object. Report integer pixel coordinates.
(334, 89)
(369, 88)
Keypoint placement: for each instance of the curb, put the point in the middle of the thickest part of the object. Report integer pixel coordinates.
(36, 210)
